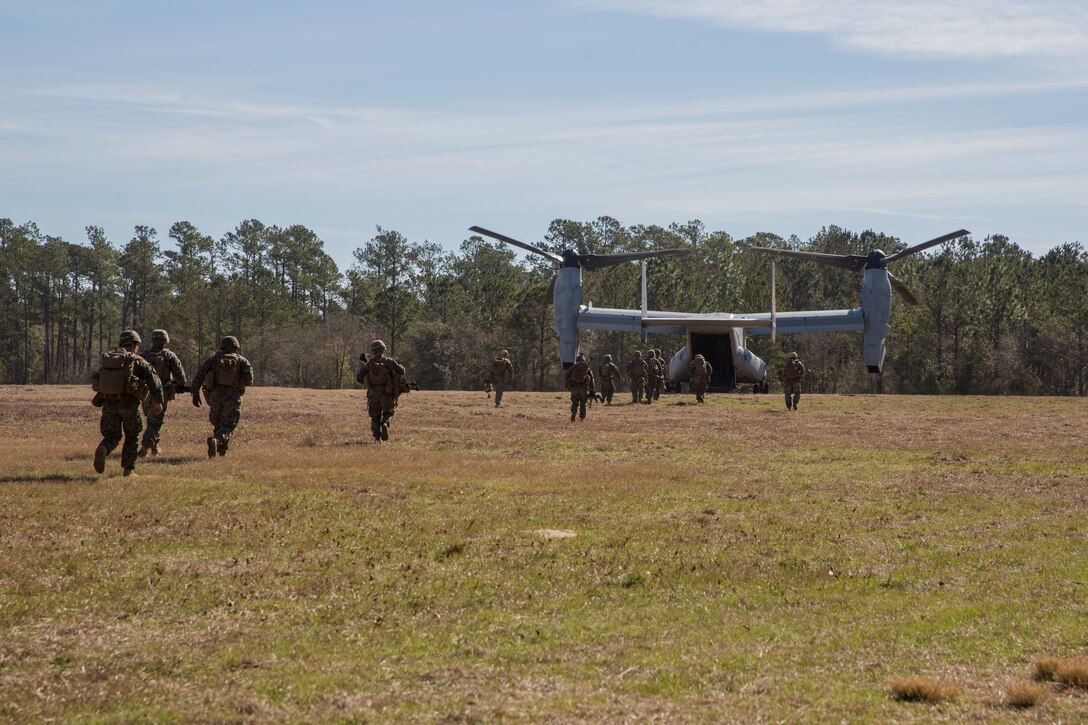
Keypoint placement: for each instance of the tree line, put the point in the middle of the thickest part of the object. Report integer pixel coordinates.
(992, 318)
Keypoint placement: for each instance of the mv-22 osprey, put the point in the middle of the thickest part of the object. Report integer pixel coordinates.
(719, 336)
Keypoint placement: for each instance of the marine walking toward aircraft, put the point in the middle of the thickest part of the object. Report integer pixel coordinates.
(636, 373)
(501, 375)
(580, 385)
(172, 376)
(609, 373)
(792, 373)
(662, 373)
(383, 378)
(224, 378)
(701, 370)
(121, 384)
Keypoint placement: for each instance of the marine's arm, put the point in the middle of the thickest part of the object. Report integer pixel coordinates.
(245, 374)
(146, 373)
(394, 366)
(177, 371)
(198, 379)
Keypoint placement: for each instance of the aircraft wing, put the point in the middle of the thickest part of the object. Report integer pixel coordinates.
(665, 323)
(812, 321)
(678, 323)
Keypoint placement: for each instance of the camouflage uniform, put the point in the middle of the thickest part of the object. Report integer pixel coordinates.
(224, 397)
(608, 372)
(172, 376)
(580, 385)
(502, 373)
(791, 378)
(636, 371)
(662, 370)
(383, 377)
(121, 415)
(701, 370)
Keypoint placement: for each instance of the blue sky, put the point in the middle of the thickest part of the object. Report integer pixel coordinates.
(913, 118)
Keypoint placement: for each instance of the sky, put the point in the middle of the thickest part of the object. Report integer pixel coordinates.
(909, 117)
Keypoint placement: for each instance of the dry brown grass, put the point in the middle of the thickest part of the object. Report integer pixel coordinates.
(1069, 671)
(1026, 694)
(918, 688)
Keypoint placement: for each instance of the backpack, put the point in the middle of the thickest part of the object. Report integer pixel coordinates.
(228, 370)
(699, 367)
(380, 376)
(114, 376)
(579, 375)
(160, 364)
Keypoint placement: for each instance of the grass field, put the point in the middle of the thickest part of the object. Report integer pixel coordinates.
(729, 562)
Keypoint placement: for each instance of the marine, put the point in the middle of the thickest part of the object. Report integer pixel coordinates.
(700, 370)
(384, 381)
(224, 378)
(662, 371)
(172, 376)
(609, 372)
(636, 373)
(501, 375)
(580, 385)
(792, 373)
(122, 382)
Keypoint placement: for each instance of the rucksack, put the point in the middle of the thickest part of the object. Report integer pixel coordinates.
(579, 373)
(699, 367)
(228, 370)
(114, 376)
(160, 365)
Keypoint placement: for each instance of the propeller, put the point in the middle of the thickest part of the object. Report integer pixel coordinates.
(570, 258)
(875, 259)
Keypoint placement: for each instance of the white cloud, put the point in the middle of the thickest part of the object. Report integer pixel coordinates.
(973, 29)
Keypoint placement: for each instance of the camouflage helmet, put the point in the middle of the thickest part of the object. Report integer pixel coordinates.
(608, 358)
(638, 354)
(377, 345)
(700, 357)
(229, 344)
(581, 357)
(651, 352)
(793, 356)
(129, 337)
(504, 353)
(160, 335)
(659, 353)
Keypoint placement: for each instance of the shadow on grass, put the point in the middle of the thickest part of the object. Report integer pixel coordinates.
(49, 478)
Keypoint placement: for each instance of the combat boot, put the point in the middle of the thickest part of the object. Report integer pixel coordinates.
(100, 459)
(221, 447)
(129, 473)
(383, 430)
(572, 417)
(155, 450)
(211, 446)
(143, 450)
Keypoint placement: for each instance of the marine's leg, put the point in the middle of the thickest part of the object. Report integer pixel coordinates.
(582, 400)
(389, 407)
(228, 421)
(152, 432)
(132, 422)
(796, 395)
(498, 395)
(374, 410)
(111, 426)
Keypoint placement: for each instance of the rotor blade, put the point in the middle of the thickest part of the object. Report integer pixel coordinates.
(600, 261)
(926, 245)
(902, 290)
(528, 247)
(846, 261)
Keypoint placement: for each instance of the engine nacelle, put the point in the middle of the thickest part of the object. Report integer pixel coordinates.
(876, 306)
(566, 302)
